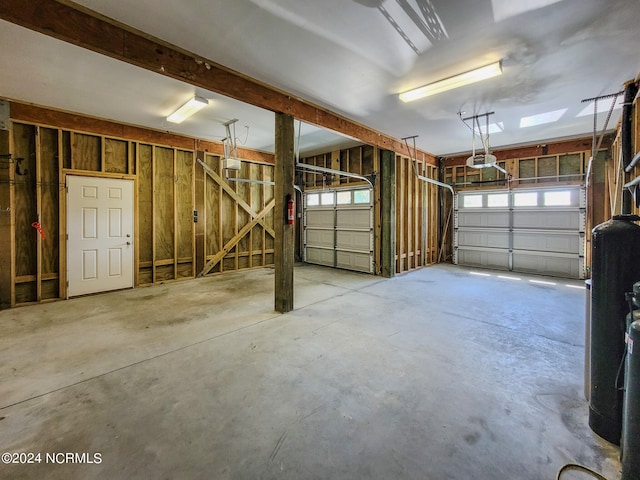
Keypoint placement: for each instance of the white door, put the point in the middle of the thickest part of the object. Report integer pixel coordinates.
(338, 228)
(100, 234)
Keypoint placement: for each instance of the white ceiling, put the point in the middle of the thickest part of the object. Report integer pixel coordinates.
(352, 57)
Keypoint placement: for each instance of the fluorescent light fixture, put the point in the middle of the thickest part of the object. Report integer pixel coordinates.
(482, 73)
(188, 109)
(504, 277)
(541, 118)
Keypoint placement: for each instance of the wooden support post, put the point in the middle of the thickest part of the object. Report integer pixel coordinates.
(388, 211)
(6, 204)
(285, 233)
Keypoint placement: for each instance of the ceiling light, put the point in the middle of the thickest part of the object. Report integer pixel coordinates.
(188, 109)
(482, 73)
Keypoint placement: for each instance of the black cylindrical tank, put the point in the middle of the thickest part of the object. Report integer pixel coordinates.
(615, 267)
(631, 415)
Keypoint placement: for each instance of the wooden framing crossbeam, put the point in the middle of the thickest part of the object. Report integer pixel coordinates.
(237, 198)
(236, 239)
(79, 26)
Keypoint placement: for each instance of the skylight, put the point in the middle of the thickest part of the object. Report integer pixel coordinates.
(503, 9)
(542, 118)
(603, 106)
(493, 128)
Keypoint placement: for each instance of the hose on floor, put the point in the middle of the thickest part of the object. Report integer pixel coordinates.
(580, 468)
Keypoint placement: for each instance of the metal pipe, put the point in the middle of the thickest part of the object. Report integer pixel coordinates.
(633, 163)
(248, 180)
(242, 180)
(415, 167)
(435, 182)
(632, 183)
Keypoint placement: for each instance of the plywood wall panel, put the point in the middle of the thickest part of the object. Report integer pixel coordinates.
(213, 241)
(163, 200)
(50, 184)
(184, 207)
(25, 204)
(145, 204)
(116, 156)
(86, 152)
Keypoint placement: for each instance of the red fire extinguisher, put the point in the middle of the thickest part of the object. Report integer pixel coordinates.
(291, 210)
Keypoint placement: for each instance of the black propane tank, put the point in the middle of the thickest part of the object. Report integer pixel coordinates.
(615, 267)
(631, 424)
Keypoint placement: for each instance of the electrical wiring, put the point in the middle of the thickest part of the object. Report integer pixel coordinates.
(579, 468)
(246, 137)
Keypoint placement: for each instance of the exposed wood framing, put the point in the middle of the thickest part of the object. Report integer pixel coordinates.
(226, 208)
(416, 209)
(165, 177)
(79, 26)
(538, 150)
(84, 124)
(237, 237)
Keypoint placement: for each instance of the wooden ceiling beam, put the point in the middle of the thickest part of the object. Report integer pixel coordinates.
(74, 24)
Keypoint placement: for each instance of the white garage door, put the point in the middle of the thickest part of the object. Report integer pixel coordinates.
(532, 231)
(338, 228)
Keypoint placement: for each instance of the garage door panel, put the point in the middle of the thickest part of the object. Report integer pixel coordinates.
(480, 218)
(320, 256)
(498, 260)
(547, 219)
(360, 262)
(546, 242)
(356, 218)
(340, 234)
(320, 218)
(536, 230)
(319, 238)
(540, 263)
(483, 238)
(353, 240)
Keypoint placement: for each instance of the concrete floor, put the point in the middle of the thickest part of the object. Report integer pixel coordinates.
(436, 374)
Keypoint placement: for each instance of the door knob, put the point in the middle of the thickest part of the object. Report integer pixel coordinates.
(128, 243)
